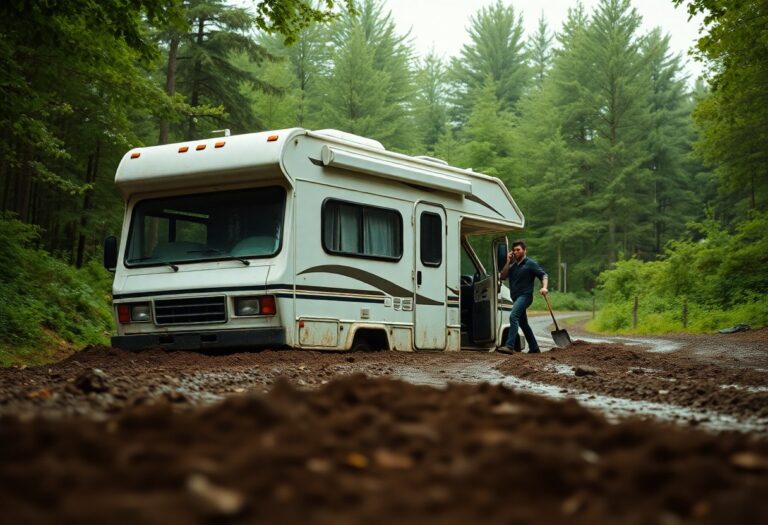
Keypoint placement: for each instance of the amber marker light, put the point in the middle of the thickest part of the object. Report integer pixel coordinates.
(272, 138)
(135, 155)
(219, 145)
(183, 149)
(200, 147)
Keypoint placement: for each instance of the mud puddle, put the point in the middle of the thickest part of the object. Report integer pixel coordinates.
(613, 408)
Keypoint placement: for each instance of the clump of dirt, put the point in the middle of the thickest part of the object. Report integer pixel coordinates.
(367, 450)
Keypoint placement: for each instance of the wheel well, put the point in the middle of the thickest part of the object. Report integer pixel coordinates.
(373, 338)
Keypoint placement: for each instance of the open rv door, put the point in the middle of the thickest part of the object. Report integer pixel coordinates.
(487, 295)
(484, 310)
(500, 247)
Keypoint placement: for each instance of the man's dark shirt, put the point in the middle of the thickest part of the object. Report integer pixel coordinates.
(522, 275)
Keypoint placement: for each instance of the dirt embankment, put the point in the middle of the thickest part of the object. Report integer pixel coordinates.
(361, 450)
(305, 437)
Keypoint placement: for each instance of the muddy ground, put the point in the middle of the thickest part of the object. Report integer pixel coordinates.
(596, 433)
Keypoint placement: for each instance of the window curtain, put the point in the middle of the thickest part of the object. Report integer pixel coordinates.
(381, 233)
(342, 229)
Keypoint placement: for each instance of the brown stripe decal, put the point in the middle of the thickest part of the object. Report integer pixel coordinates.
(371, 279)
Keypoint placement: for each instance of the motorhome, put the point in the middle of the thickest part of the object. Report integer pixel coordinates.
(318, 240)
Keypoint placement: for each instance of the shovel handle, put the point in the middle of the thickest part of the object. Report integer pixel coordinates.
(546, 298)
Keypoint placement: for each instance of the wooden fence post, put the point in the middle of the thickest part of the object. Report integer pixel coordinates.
(634, 315)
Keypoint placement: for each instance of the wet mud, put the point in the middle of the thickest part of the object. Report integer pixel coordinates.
(614, 434)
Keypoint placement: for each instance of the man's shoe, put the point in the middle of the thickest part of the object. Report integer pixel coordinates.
(534, 351)
(505, 350)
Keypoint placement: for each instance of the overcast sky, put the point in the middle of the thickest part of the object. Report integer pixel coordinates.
(442, 24)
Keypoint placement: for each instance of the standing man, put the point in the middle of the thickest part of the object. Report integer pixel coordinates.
(522, 273)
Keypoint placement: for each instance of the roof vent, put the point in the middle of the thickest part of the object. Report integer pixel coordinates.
(351, 137)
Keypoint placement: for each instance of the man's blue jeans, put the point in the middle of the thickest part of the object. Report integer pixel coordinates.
(518, 319)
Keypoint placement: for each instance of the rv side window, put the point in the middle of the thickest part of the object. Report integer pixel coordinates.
(362, 231)
(431, 239)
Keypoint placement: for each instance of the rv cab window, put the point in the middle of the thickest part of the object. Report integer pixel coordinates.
(206, 226)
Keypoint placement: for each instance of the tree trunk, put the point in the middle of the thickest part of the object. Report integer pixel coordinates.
(93, 167)
(194, 99)
(5, 176)
(559, 266)
(612, 241)
(170, 86)
(23, 185)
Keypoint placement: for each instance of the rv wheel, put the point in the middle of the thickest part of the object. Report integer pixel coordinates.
(361, 346)
(367, 340)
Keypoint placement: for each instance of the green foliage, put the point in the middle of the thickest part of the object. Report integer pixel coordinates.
(63, 306)
(732, 119)
(369, 89)
(721, 280)
(497, 52)
(574, 302)
(592, 137)
(487, 135)
(205, 72)
(290, 18)
(431, 106)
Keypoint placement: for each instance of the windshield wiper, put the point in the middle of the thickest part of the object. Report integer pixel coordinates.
(140, 259)
(226, 255)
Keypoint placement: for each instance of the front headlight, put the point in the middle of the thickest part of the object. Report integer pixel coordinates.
(250, 306)
(140, 313)
(247, 306)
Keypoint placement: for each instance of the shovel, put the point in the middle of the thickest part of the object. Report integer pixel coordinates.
(560, 337)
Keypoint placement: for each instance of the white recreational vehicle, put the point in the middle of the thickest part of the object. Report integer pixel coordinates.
(306, 239)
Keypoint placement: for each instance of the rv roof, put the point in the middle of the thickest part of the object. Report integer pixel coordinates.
(351, 137)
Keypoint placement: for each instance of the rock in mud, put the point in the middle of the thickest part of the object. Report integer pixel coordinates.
(92, 380)
(581, 371)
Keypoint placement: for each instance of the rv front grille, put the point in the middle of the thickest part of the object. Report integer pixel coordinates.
(197, 310)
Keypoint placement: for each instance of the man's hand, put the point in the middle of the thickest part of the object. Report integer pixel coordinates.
(543, 290)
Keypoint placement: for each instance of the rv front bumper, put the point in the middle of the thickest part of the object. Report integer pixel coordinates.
(245, 339)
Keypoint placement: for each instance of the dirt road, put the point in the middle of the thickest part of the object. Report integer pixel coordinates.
(671, 430)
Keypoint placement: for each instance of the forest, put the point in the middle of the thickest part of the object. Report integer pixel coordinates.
(640, 186)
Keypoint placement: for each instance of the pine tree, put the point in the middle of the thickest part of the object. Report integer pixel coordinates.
(370, 87)
(496, 51)
(540, 51)
(305, 61)
(550, 191)
(486, 139)
(356, 101)
(431, 107)
(732, 119)
(668, 142)
(605, 102)
(205, 73)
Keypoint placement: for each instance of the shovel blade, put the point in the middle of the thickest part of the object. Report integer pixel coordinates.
(561, 338)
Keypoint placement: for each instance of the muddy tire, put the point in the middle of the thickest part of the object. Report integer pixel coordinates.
(360, 345)
(370, 340)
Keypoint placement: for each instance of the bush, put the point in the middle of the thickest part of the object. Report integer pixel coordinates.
(581, 301)
(723, 279)
(45, 302)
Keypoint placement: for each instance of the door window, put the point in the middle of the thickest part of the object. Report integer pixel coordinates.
(431, 231)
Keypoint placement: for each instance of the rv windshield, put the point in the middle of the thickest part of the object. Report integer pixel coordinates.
(206, 226)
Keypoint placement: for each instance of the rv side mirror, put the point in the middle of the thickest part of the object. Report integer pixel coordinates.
(110, 253)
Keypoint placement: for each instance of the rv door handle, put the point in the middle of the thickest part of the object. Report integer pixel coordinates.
(418, 278)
